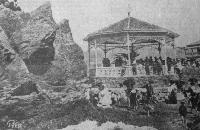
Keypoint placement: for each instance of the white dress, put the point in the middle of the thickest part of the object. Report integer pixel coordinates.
(105, 98)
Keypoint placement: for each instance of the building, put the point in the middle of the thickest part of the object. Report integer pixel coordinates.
(192, 50)
(180, 53)
(129, 34)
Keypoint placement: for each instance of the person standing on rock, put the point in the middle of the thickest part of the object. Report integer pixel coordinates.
(137, 99)
(129, 83)
(133, 100)
(183, 112)
(149, 91)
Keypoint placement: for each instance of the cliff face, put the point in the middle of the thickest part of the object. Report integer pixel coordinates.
(69, 57)
(39, 46)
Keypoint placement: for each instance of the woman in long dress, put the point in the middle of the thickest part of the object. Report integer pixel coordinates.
(105, 98)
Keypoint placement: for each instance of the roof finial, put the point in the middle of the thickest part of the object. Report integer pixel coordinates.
(129, 13)
(129, 10)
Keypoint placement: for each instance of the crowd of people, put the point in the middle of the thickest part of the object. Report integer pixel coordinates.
(124, 96)
(188, 95)
(185, 94)
(192, 100)
(13, 5)
(156, 66)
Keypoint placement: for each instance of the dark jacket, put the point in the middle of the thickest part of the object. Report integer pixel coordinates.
(183, 110)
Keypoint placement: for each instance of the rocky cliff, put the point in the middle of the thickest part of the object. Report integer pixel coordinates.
(36, 44)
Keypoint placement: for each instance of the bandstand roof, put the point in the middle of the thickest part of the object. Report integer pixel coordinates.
(135, 25)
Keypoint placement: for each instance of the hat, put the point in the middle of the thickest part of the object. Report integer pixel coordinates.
(182, 102)
(133, 91)
(150, 81)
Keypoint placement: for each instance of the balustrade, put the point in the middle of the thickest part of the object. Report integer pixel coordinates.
(125, 72)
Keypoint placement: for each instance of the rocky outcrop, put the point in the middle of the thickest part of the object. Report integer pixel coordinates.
(41, 46)
(69, 57)
(35, 40)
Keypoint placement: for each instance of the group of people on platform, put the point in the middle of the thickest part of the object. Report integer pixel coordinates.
(156, 66)
(153, 66)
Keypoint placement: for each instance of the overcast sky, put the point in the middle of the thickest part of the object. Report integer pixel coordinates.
(86, 16)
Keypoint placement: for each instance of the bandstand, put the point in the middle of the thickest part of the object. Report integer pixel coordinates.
(129, 34)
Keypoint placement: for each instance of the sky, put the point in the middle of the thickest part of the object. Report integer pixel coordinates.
(87, 16)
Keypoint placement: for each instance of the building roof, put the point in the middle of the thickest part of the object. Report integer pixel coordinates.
(193, 44)
(135, 25)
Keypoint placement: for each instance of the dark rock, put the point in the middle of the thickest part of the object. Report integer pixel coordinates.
(39, 61)
(25, 89)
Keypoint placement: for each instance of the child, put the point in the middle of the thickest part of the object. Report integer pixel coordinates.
(183, 112)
